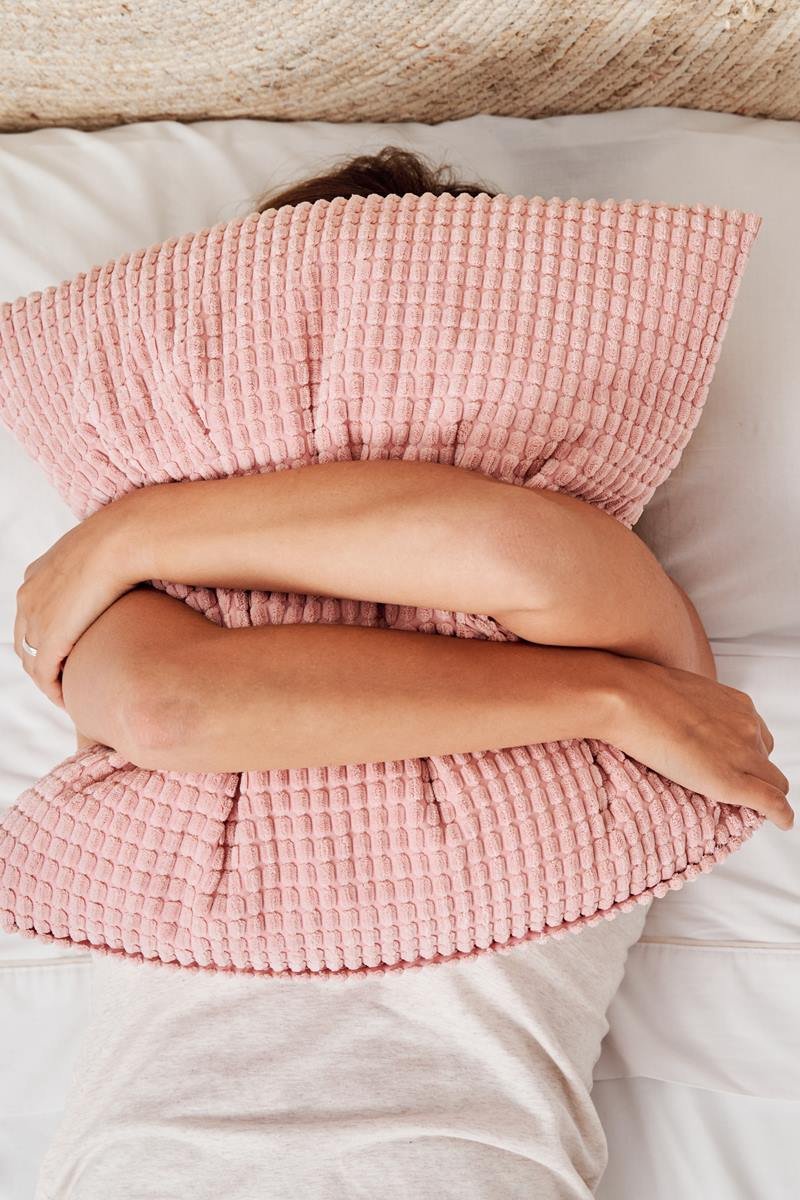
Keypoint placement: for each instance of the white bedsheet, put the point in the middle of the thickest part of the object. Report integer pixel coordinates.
(698, 1084)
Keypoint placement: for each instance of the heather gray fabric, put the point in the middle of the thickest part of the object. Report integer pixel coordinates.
(468, 1079)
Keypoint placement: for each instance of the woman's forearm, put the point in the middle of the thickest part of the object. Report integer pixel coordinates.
(308, 695)
(170, 690)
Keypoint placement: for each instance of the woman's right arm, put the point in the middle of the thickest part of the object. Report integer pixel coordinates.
(159, 682)
(171, 690)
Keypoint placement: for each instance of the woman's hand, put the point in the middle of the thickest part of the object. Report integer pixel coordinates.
(67, 588)
(699, 733)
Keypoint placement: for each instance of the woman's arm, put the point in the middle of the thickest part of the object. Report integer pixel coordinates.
(172, 691)
(553, 569)
(599, 585)
(167, 688)
(709, 671)
(82, 740)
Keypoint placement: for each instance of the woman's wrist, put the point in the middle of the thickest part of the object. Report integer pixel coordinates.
(603, 693)
(120, 548)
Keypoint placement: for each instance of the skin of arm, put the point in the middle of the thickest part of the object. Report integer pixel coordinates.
(168, 689)
(169, 681)
(599, 585)
(186, 695)
(82, 740)
(552, 569)
(171, 690)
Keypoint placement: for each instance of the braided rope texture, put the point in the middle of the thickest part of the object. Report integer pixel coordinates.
(91, 64)
(548, 343)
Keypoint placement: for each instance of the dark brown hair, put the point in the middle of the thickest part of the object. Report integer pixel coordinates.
(391, 172)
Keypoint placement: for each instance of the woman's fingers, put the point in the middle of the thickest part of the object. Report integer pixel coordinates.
(780, 780)
(46, 671)
(760, 766)
(51, 686)
(769, 800)
(768, 739)
(63, 591)
(43, 667)
(770, 787)
(18, 634)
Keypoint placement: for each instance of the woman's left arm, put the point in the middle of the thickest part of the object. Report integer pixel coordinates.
(551, 568)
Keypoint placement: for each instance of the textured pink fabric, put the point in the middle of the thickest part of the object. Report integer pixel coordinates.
(552, 344)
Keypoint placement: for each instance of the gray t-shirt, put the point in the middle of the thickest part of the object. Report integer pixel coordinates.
(469, 1078)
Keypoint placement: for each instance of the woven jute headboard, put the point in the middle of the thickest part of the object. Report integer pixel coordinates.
(93, 63)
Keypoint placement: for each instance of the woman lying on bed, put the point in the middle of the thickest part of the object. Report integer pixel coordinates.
(611, 647)
(470, 1079)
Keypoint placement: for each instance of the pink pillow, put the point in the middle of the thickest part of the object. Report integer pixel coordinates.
(552, 344)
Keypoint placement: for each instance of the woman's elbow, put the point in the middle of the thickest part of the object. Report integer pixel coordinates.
(158, 721)
(136, 680)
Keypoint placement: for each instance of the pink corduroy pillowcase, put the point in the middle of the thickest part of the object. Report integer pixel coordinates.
(548, 343)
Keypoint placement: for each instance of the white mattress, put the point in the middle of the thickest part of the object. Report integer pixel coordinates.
(698, 1084)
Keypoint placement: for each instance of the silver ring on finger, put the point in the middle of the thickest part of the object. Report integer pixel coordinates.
(28, 648)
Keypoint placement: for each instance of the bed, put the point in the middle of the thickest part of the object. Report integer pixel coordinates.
(698, 1082)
